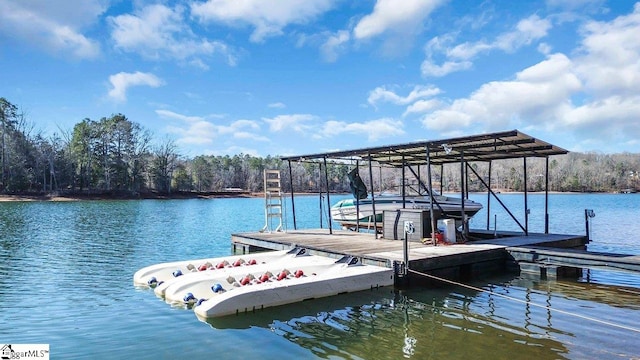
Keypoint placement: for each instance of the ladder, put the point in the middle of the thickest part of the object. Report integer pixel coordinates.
(272, 201)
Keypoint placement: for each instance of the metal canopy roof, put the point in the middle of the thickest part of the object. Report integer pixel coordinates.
(483, 147)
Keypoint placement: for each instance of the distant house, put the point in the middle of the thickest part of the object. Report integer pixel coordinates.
(230, 189)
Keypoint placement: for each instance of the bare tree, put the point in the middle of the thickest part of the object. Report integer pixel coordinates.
(163, 163)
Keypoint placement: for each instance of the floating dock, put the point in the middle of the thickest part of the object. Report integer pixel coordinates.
(450, 260)
(229, 285)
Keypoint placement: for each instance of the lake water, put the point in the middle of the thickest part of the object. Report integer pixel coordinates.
(66, 280)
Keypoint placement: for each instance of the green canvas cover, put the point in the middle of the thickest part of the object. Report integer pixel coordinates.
(358, 188)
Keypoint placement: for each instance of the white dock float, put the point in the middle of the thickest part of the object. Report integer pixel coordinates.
(346, 275)
(156, 275)
(274, 278)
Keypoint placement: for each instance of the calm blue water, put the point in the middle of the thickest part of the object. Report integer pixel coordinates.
(66, 280)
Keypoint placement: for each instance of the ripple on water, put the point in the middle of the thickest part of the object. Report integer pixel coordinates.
(66, 279)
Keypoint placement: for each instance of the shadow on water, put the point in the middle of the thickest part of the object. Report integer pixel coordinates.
(425, 324)
(625, 297)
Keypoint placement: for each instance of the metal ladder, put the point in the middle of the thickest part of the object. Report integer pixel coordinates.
(272, 201)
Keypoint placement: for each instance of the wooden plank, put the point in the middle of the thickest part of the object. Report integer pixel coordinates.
(385, 251)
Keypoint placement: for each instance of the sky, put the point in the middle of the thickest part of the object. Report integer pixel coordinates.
(294, 77)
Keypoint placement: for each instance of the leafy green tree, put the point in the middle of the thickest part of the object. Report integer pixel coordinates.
(82, 152)
(182, 180)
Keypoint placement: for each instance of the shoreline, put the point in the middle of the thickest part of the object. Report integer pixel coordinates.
(142, 196)
(203, 195)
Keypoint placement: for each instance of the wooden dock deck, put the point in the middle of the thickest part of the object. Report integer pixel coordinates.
(468, 258)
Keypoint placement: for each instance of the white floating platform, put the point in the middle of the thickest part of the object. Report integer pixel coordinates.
(275, 278)
(345, 275)
(154, 275)
(200, 284)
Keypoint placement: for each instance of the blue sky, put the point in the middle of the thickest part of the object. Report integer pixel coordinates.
(285, 77)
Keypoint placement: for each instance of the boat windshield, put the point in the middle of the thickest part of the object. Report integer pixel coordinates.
(345, 202)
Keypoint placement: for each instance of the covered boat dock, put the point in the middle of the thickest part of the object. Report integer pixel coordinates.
(431, 154)
(474, 251)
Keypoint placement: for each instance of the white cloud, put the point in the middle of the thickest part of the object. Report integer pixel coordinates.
(599, 115)
(250, 136)
(458, 57)
(197, 130)
(544, 48)
(594, 94)
(422, 106)
(334, 45)
(238, 130)
(390, 15)
(527, 31)
(268, 17)
(234, 150)
(191, 130)
(428, 68)
(609, 65)
(295, 122)
(382, 94)
(184, 118)
(374, 129)
(157, 32)
(120, 82)
(610, 59)
(538, 95)
(237, 126)
(277, 105)
(55, 27)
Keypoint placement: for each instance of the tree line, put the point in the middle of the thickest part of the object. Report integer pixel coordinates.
(116, 155)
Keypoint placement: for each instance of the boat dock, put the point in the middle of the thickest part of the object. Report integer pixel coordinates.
(450, 260)
(469, 252)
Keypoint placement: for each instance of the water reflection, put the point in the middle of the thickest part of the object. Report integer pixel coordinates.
(612, 295)
(12, 242)
(415, 324)
(65, 279)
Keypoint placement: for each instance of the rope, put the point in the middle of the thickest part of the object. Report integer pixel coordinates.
(527, 302)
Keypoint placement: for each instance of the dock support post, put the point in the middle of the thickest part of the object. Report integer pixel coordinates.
(526, 205)
(358, 202)
(546, 196)
(408, 229)
(326, 180)
(320, 196)
(373, 201)
(432, 218)
(463, 216)
(293, 204)
(489, 197)
(404, 185)
(405, 255)
(588, 213)
(441, 178)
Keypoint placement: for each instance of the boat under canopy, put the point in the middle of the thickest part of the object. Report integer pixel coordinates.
(348, 212)
(362, 209)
